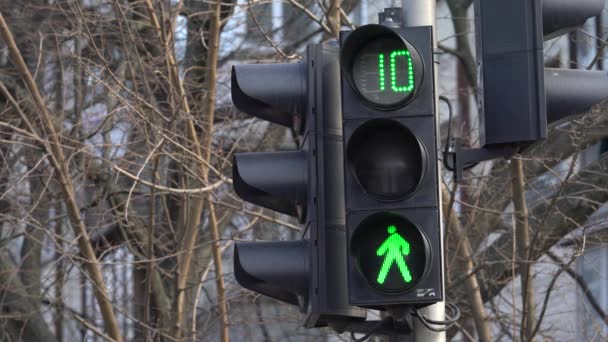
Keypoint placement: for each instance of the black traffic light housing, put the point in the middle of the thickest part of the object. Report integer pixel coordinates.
(518, 97)
(390, 167)
(304, 184)
(511, 91)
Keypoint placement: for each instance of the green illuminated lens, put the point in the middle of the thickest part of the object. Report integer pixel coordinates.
(409, 87)
(381, 70)
(410, 72)
(394, 248)
(390, 252)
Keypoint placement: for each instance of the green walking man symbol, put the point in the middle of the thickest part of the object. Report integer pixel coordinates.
(394, 248)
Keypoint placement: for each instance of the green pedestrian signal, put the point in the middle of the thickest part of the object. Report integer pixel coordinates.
(392, 253)
(394, 248)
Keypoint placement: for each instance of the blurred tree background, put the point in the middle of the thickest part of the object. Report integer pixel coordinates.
(117, 214)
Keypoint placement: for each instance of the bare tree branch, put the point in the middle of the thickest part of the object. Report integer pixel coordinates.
(54, 148)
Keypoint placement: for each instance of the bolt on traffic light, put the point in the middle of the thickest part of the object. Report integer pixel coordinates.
(390, 161)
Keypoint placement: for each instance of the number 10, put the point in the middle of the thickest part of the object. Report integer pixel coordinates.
(409, 86)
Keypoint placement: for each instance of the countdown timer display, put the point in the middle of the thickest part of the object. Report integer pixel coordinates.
(383, 69)
(383, 72)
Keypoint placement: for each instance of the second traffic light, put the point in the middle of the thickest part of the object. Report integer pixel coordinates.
(390, 161)
(518, 96)
(305, 184)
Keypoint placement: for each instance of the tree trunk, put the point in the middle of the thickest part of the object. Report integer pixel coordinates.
(522, 238)
(26, 323)
(471, 281)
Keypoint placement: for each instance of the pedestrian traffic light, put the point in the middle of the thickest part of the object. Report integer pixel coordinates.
(391, 176)
(305, 184)
(518, 96)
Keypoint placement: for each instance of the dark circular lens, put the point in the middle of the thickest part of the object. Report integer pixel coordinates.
(386, 159)
(391, 253)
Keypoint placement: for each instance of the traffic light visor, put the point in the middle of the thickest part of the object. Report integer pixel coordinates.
(274, 92)
(278, 269)
(273, 180)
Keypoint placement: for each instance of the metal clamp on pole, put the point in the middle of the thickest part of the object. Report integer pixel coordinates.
(391, 17)
(396, 330)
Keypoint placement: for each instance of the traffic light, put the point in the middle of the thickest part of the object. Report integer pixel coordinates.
(305, 184)
(518, 96)
(390, 167)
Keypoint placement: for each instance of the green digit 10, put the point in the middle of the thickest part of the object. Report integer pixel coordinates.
(397, 88)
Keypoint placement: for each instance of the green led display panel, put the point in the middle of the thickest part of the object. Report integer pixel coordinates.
(384, 72)
(391, 253)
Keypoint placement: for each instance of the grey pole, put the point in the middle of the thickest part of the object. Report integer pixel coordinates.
(418, 12)
(422, 13)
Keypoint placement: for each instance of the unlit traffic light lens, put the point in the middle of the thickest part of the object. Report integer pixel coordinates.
(386, 159)
(391, 253)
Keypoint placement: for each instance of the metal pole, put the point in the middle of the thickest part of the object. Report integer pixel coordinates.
(418, 12)
(422, 13)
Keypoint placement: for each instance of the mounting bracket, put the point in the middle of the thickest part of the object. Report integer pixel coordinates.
(396, 330)
(458, 159)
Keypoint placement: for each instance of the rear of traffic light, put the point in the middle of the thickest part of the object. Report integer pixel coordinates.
(303, 184)
(518, 96)
(390, 161)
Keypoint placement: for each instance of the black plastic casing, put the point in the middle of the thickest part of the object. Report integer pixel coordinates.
(422, 206)
(306, 184)
(326, 231)
(511, 88)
